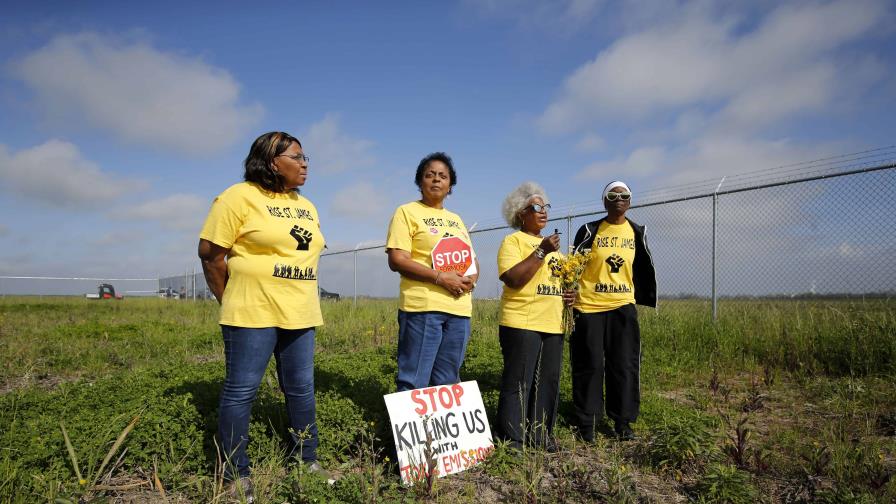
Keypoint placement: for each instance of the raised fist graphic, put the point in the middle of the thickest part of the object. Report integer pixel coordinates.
(302, 236)
(615, 263)
(554, 264)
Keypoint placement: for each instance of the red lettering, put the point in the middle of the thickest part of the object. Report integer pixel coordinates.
(431, 393)
(455, 460)
(413, 473)
(415, 396)
(445, 397)
(458, 390)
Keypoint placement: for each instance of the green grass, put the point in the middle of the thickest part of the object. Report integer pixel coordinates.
(779, 401)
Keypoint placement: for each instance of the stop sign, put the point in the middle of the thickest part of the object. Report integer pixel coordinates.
(452, 254)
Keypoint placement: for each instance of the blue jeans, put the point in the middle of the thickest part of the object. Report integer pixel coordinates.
(247, 352)
(431, 348)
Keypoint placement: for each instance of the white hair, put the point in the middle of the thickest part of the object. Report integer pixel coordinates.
(519, 199)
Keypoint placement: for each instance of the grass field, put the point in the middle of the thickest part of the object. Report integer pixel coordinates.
(780, 401)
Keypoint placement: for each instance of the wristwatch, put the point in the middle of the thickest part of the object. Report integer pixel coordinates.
(539, 252)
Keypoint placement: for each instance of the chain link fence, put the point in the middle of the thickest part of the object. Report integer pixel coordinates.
(819, 230)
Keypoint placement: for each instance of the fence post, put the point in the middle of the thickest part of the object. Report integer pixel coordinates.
(715, 299)
(715, 308)
(568, 234)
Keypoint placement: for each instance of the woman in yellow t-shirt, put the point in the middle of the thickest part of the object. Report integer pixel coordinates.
(435, 301)
(531, 327)
(606, 341)
(259, 248)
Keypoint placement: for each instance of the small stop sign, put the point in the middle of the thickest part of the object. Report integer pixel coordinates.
(452, 254)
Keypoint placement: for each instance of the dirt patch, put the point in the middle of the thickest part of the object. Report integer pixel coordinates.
(43, 383)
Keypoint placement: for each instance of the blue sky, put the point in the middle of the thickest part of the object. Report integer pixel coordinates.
(119, 122)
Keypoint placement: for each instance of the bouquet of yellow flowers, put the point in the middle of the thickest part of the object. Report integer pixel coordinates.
(570, 268)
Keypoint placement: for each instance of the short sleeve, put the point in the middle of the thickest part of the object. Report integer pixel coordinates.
(222, 226)
(509, 254)
(399, 236)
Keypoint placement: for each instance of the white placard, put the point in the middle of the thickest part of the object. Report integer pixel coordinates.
(453, 416)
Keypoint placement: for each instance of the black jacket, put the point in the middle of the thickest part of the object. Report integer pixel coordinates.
(643, 272)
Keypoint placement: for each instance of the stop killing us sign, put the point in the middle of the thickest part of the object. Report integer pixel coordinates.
(439, 430)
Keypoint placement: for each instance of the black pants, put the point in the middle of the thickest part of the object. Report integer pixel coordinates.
(606, 343)
(530, 382)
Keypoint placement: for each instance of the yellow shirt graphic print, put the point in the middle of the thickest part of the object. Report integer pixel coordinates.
(275, 243)
(538, 305)
(417, 228)
(607, 283)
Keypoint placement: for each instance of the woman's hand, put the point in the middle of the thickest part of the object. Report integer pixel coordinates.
(457, 285)
(519, 275)
(550, 243)
(454, 283)
(569, 297)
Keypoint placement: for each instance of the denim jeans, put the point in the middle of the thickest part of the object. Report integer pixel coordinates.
(247, 352)
(431, 348)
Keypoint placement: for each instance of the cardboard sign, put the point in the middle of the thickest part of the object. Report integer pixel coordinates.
(453, 254)
(441, 430)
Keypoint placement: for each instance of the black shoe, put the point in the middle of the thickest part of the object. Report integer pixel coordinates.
(585, 433)
(624, 432)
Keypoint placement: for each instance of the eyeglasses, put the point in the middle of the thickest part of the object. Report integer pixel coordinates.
(624, 196)
(298, 158)
(539, 208)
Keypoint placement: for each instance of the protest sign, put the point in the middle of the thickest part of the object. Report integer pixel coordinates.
(451, 253)
(440, 429)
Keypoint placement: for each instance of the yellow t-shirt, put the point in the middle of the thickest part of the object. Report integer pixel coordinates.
(538, 305)
(417, 228)
(606, 283)
(275, 242)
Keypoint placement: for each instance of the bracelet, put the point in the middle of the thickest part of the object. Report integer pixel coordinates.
(436, 281)
(539, 253)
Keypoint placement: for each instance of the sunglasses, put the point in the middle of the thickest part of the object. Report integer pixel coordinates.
(539, 208)
(624, 196)
(298, 158)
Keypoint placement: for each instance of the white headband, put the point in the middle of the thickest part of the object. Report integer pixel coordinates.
(613, 185)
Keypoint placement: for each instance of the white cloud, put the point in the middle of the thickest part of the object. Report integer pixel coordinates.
(847, 250)
(536, 14)
(361, 200)
(590, 142)
(57, 174)
(697, 166)
(788, 64)
(127, 237)
(182, 212)
(332, 150)
(640, 162)
(135, 91)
